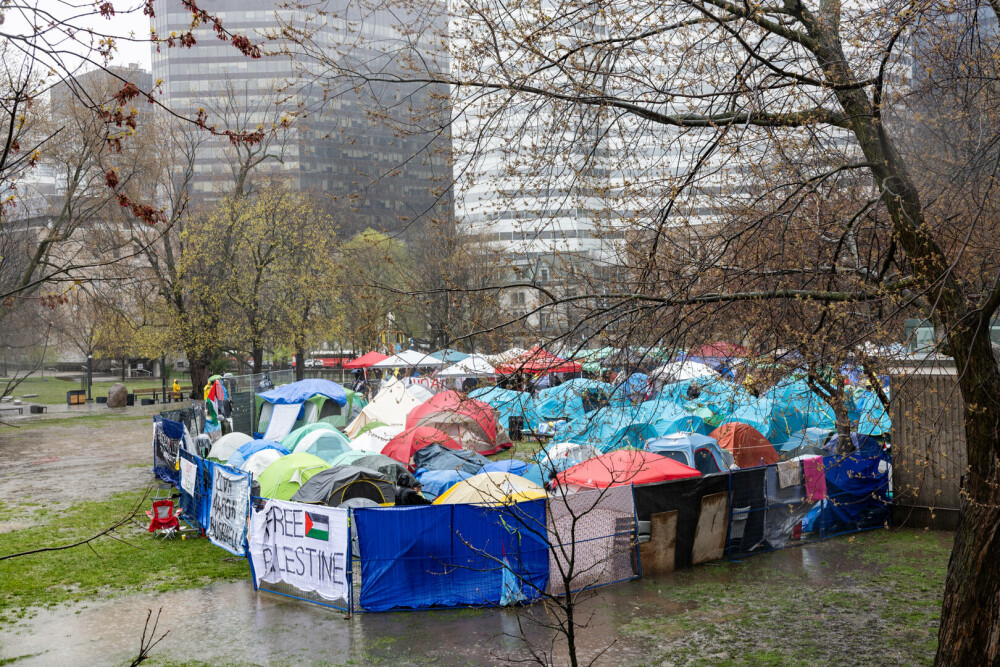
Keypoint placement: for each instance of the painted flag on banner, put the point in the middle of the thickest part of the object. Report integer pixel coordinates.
(317, 526)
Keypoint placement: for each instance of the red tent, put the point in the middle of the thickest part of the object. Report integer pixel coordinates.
(452, 401)
(748, 446)
(366, 360)
(537, 360)
(623, 467)
(412, 440)
(723, 349)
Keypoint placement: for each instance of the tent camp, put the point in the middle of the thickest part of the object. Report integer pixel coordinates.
(285, 408)
(403, 446)
(375, 440)
(621, 468)
(282, 479)
(491, 488)
(693, 450)
(390, 406)
(509, 403)
(748, 446)
(224, 447)
(439, 457)
(333, 486)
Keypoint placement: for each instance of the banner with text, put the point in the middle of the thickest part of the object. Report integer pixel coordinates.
(305, 546)
(227, 518)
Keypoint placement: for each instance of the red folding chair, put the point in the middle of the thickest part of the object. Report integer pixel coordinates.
(163, 518)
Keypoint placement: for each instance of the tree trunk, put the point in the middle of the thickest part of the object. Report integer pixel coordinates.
(258, 358)
(300, 357)
(124, 363)
(199, 374)
(844, 444)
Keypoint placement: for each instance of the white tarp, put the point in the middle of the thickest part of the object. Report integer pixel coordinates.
(227, 518)
(189, 475)
(305, 546)
(283, 416)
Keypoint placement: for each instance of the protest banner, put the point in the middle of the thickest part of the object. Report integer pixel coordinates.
(189, 475)
(305, 546)
(227, 518)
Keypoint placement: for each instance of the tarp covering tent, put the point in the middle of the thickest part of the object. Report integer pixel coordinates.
(572, 399)
(693, 450)
(439, 457)
(403, 446)
(333, 486)
(391, 405)
(375, 440)
(513, 466)
(224, 447)
(491, 488)
(509, 403)
(410, 359)
(473, 366)
(237, 458)
(748, 446)
(873, 418)
(366, 360)
(535, 361)
(282, 479)
(436, 482)
(857, 488)
(314, 398)
(621, 468)
(258, 463)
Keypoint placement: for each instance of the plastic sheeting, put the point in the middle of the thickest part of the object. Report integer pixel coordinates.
(450, 555)
(282, 420)
(299, 392)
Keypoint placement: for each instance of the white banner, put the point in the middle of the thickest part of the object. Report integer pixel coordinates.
(303, 545)
(189, 475)
(227, 518)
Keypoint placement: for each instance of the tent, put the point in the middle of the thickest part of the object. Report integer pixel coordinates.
(284, 408)
(355, 404)
(410, 359)
(391, 468)
(722, 349)
(513, 466)
(873, 418)
(350, 457)
(473, 366)
(491, 488)
(369, 426)
(375, 440)
(535, 361)
(390, 406)
(557, 455)
(282, 479)
(509, 403)
(224, 447)
(694, 450)
(621, 468)
(504, 357)
(291, 441)
(440, 457)
(404, 445)
(676, 371)
(258, 463)
(748, 446)
(237, 458)
(472, 423)
(807, 441)
(451, 356)
(366, 360)
(333, 486)
(436, 482)
(327, 445)
(572, 399)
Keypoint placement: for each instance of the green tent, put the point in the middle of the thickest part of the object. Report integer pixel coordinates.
(326, 444)
(292, 440)
(347, 458)
(284, 477)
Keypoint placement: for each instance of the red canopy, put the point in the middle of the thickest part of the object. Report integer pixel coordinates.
(366, 360)
(623, 467)
(452, 401)
(723, 349)
(748, 446)
(412, 440)
(537, 360)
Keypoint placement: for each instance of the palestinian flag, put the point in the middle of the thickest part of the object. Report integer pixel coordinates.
(318, 526)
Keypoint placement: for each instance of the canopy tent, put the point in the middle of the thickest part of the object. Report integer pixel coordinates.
(314, 399)
(375, 440)
(410, 359)
(391, 405)
(535, 361)
(366, 360)
(504, 357)
(721, 349)
(282, 479)
(258, 463)
(676, 371)
(450, 356)
(237, 458)
(473, 366)
(491, 488)
(224, 447)
(440, 457)
(693, 450)
(621, 468)
(748, 446)
(509, 403)
(333, 486)
(403, 446)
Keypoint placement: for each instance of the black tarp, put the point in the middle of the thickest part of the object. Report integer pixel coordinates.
(437, 457)
(747, 506)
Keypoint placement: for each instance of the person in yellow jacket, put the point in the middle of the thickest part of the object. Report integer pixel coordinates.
(176, 390)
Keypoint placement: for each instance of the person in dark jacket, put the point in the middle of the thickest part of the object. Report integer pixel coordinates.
(408, 490)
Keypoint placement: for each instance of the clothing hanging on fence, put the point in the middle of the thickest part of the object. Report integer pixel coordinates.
(789, 474)
(815, 478)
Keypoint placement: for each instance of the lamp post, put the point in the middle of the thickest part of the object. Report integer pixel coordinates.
(163, 375)
(90, 375)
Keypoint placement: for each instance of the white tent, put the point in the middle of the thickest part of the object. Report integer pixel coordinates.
(677, 371)
(390, 406)
(409, 359)
(473, 366)
(504, 357)
(258, 461)
(375, 440)
(227, 444)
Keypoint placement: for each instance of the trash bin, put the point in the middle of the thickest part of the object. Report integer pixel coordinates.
(36, 409)
(515, 427)
(129, 400)
(76, 397)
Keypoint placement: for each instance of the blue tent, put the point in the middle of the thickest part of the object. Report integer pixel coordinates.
(436, 482)
(239, 457)
(303, 390)
(694, 450)
(857, 488)
(513, 466)
(509, 403)
(438, 457)
(573, 398)
(872, 418)
(449, 356)
(809, 437)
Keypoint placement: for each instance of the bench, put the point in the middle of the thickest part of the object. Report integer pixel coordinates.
(20, 410)
(155, 392)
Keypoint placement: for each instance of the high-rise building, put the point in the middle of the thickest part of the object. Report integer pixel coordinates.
(335, 147)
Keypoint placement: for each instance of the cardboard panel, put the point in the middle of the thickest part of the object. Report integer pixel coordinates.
(657, 555)
(710, 534)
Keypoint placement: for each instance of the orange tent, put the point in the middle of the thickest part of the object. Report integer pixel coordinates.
(748, 446)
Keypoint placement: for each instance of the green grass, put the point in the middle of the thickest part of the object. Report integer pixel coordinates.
(136, 562)
(52, 391)
(523, 450)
